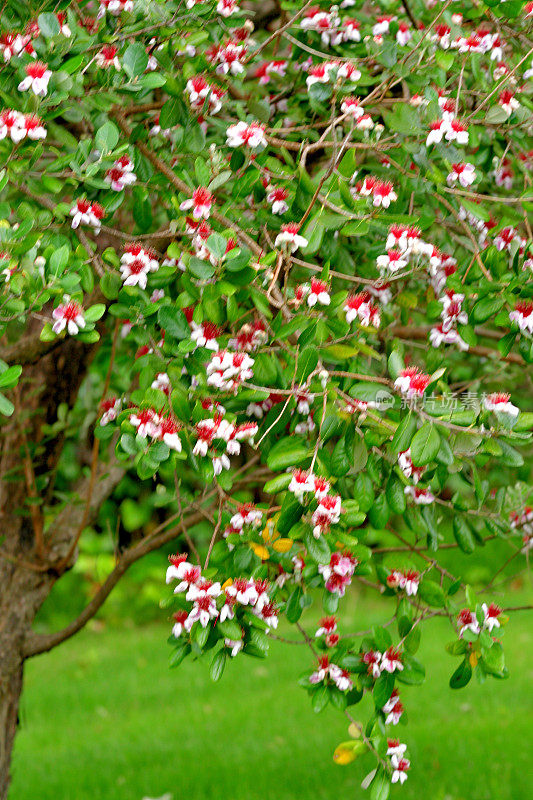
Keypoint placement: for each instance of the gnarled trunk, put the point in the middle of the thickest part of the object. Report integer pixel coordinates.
(22, 592)
(11, 669)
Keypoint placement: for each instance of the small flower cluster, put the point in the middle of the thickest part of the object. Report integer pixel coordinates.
(408, 580)
(339, 572)
(203, 94)
(332, 29)
(393, 709)
(227, 370)
(84, 212)
(389, 661)
(251, 135)
(328, 629)
(121, 174)
(382, 192)
(328, 671)
(136, 263)
(150, 424)
(412, 382)
(360, 307)
(452, 315)
(399, 764)
(17, 126)
(228, 434)
(329, 506)
(468, 620)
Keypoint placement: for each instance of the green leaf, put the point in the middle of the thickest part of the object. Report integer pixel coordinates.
(383, 689)
(173, 112)
(404, 434)
(135, 60)
(6, 406)
(380, 788)
(463, 535)
(318, 549)
(307, 362)
(173, 320)
(288, 452)
(431, 593)
(10, 376)
(48, 25)
(291, 512)
(201, 269)
(382, 637)
(425, 445)
(106, 137)
(461, 676)
(230, 628)
(293, 609)
(217, 665)
(395, 494)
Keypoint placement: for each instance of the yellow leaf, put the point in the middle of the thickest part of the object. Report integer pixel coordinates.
(346, 752)
(354, 730)
(283, 545)
(473, 659)
(260, 551)
(227, 583)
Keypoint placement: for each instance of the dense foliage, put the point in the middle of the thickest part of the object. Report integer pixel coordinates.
(302, 263)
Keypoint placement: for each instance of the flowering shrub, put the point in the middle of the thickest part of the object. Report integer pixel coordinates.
(292, 269)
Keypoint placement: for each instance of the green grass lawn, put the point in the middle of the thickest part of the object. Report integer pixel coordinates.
(104, 718)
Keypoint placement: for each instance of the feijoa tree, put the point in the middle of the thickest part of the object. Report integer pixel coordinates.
(273, 261)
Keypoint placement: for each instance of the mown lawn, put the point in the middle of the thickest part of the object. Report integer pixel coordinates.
(104, 718)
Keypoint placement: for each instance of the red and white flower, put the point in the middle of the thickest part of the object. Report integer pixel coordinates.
(465, 173)
(289, 237)
(372, 658)
(393, 261)
(319, 293)
(508, 102)
(351, 106)
(250, 134)
(411, 382)
(121, 174)
(37, 78)
(107, 57)
(136, 263)
(85, 213)
(109, 410)
(204, 604)
(326, 514)
(69, 315)
(201, 203)
(523, 315)
(405, 463)
(468, 622)
(399, 769)
(338, 573)
(492, 614)
(115, 7)
(500, 402)
(393, 709)
(227, 370)
(277, 196)
(328, 625)
(391, 660)
(421, 496)
(301, 483)
(227, 7)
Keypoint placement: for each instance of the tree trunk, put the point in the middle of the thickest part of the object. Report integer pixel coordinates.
(28, 553)
(22, 593)
(11, 668)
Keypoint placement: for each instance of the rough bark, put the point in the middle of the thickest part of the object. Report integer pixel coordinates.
(26, 574)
